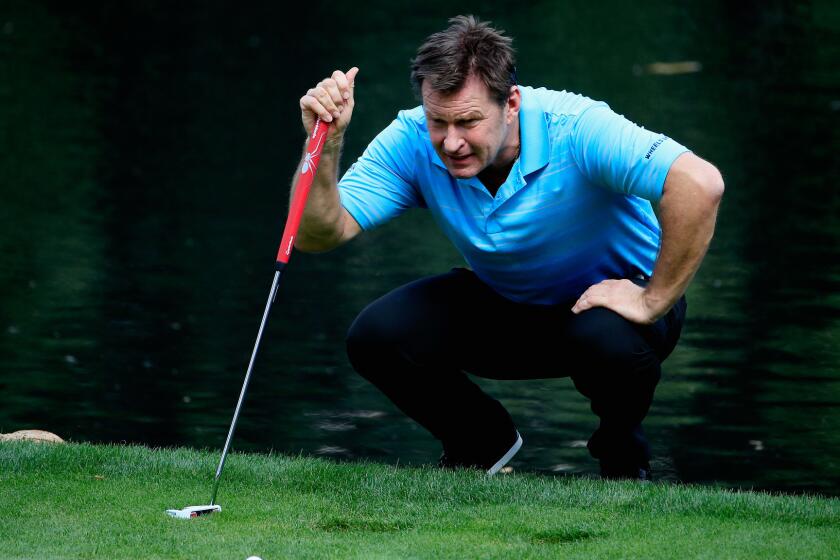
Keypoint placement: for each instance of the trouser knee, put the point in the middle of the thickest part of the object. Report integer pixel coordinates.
(379, 346)
(613, 350)
(366, 348)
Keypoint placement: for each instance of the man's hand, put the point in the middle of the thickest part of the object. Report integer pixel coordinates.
(624, 297)
(332, 100)
(325, 223)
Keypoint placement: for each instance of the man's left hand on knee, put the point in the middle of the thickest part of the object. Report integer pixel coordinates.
(624, 297)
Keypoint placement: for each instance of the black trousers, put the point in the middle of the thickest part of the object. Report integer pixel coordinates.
(417, 343)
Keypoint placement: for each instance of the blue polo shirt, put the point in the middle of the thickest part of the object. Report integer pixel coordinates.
(574, 210)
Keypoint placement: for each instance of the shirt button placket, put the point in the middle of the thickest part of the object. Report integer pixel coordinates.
(491, 223)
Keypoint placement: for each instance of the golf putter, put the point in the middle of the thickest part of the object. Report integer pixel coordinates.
(307, 173)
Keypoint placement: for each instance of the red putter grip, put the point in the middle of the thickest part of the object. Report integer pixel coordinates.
(307, 173)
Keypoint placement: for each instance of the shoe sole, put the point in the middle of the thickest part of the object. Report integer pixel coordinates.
(506, 457)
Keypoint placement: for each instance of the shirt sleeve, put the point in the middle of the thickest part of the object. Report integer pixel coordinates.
(620, 155)
(380, 185)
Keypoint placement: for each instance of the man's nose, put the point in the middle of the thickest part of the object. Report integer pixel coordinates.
(453, 141)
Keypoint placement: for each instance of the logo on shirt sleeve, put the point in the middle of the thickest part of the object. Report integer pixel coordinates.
(655, 145)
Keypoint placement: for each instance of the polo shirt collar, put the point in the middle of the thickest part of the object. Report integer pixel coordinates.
(533, 133)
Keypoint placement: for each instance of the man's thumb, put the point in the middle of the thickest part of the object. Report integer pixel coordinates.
(351, 75)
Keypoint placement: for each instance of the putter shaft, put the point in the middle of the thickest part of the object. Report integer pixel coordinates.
(271, 296)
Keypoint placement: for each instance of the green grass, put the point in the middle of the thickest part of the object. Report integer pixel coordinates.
(86, 501)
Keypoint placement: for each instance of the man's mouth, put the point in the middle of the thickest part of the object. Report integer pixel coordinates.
(459, 158)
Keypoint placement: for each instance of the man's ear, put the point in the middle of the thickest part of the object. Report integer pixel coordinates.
(514, 103)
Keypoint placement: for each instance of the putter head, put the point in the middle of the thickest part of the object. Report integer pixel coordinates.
(193, 511)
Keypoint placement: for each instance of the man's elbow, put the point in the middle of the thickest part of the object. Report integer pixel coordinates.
(327, 238)
(693, 181)
(315, 245)
(711, 183)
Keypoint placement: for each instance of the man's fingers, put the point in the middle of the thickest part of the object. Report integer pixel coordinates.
(330, 99)
(311, 103)
(594, 296)
(594, 291)
(351, 75)
(327, 93)
(582, 304)
(334, 91)
(323, 98)
(590, 301)
(620, 296)
(343, 84)
(316, 104)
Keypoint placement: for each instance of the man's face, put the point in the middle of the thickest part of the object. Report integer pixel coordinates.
(469, 130)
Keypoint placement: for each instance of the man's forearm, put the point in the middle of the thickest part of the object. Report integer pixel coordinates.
(321, 226)
(687, 213)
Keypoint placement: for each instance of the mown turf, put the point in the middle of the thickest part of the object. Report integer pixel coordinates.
(85, 501)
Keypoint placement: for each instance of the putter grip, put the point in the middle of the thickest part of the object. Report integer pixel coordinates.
(304, 182)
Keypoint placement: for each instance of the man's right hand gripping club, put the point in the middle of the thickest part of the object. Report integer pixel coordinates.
(325, 223)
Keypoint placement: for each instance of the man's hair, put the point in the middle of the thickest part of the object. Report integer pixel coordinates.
(467, 47)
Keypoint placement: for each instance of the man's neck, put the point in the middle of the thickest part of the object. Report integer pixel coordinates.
(493, 178)
(494, 175)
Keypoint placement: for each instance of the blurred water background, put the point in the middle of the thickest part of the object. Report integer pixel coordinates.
(145, 154)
